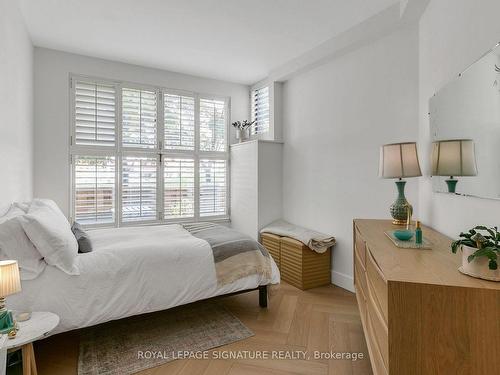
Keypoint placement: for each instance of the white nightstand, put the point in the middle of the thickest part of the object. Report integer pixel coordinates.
(40, 324)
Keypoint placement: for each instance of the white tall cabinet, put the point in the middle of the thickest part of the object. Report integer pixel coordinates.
(256, 185)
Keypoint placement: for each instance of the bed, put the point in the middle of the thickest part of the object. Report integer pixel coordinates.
(131, 271)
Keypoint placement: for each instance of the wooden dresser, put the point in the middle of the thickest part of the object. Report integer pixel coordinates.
(419, 314)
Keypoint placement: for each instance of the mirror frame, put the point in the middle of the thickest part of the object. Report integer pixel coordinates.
(453, 79)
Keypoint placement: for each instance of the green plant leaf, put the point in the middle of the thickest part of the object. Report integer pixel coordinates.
(488, 252)
(480, 227)
(486, 240)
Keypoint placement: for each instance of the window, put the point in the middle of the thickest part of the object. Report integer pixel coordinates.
(212, 125)
(213, 195)
(94, 114)
(179, 185)
(143, 154)
(94, 189)
(138, 118)
(179, 122)
(139, 185)
(260, 110)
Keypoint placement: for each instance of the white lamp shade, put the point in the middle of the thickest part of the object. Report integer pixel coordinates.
(10, 281)
(398, 160)
(454, 158)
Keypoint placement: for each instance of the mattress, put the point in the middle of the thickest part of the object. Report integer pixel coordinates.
(131, 271)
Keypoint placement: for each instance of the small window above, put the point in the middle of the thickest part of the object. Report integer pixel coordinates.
(260, 110)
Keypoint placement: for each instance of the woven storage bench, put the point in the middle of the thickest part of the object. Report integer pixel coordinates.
(272, 243)
(299, 265)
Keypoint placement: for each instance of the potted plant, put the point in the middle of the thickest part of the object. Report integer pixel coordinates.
(242, 129)
(480, 248)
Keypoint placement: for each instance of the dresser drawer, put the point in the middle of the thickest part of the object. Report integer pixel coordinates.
(376, 359)
(360, 276)
(377, 286)
(360, 247)
(379, 329)
(361, 298)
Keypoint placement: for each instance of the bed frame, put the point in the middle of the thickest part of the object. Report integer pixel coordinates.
(262, 294)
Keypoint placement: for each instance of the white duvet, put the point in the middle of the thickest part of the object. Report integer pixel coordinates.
(131, 271)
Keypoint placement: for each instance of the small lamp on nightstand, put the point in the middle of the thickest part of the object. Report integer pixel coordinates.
(10, 283)
(453, 158)
(399, 160)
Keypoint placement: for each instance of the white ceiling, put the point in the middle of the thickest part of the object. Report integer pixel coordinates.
(233, 40)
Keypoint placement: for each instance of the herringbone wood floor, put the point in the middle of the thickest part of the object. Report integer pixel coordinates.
(323, 319)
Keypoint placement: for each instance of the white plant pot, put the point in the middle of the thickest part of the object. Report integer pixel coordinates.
(478, 267)
(242, 134)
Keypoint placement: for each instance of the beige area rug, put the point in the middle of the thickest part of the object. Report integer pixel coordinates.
(115, 348)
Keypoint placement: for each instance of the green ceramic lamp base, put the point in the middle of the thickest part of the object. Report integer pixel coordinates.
(452, 185)
(399, 209)
(6, 321)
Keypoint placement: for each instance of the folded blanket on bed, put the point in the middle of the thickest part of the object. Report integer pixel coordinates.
(235, 254)
(316, 241)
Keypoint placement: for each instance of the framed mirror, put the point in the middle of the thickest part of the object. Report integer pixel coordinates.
(466, 114)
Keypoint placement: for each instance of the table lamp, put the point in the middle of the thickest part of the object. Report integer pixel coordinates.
(453, 158)
(10, 283)
(399, 160)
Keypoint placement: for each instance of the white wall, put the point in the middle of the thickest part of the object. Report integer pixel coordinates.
(52, 70)
(335, 118)
(16, 106)
(452, 35)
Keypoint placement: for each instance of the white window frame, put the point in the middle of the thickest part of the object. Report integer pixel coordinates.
(252, 111)
(118, 151)
(275, 132)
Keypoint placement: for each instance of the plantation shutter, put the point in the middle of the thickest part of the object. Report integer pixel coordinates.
(139, 118)
(179, 122)
(212, 125)
(94, 111)
(213, 187)
(178, 188)
(94, 189)
(145, 154)
(139, 177)
(260, 110)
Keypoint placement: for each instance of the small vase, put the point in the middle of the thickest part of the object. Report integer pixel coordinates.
(399, 209)
(242, 135)
(478, 267)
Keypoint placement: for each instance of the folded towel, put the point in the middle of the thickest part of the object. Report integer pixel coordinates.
(316, 241)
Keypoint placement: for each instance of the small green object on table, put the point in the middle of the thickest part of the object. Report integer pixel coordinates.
(410, 243)
(403, 234)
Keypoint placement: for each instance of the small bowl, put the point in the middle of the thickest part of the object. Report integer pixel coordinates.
(403, 234)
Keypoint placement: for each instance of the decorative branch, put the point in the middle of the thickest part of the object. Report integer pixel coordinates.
(243, 125)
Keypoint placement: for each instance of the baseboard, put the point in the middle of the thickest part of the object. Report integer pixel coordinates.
(342, 280)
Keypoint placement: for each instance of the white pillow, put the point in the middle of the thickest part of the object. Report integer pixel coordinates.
(14, 244)
(12, 212)
(25, 206)
(50, 232)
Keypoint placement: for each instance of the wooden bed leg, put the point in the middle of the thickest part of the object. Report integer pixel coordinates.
(263, 295)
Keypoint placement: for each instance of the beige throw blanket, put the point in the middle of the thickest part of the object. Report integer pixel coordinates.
(235, 254)
(316, 241)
